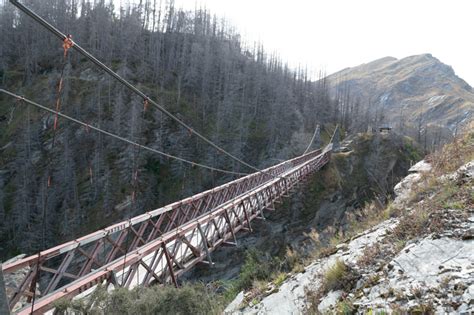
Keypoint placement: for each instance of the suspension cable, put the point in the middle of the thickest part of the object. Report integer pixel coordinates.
(101, 65)
(107, 133)
(312, 139)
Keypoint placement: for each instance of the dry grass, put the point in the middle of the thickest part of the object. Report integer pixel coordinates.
(430, 213)
(434, 195)
(337, 277)
(453, 155)
(188, 299)
(369, 255)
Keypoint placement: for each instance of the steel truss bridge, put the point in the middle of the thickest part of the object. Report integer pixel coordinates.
(157, 246)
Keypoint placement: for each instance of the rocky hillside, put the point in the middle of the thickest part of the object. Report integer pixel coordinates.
(419, 90)
(418, 261)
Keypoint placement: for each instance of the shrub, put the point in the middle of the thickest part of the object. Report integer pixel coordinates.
(256, 267)
(280, 278)
(345, 307)
(335, 276)
(293, 261)
(187, 299)
(369, 255)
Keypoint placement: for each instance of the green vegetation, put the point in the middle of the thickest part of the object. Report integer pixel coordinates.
(344, 307)
(260, 270)
(339, 276)
(334, 275)
(430, 199)
(280, 278)
(188, 299)
(237, 96)
(438, 193)
(413, 153)
(256, 267)
(319, 186)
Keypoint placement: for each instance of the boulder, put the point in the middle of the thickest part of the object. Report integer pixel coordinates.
(329, 301)
(420, 167)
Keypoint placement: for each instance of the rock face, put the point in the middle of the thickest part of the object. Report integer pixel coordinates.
(291, 296)
(402, 190)
(439, 270)
(4, 306)
(420, 167)
(435, 272)
(410, 88)
(463, 174)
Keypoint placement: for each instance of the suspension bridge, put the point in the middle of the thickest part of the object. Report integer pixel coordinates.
(160, 245)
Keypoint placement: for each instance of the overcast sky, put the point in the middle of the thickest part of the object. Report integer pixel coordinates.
(335, 34)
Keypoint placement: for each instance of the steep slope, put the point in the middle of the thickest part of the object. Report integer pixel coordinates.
(418, 262)
(418, 89)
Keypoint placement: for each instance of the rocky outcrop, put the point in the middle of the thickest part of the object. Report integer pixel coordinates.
(432, 272)
(291, 295)
(463, 174)
(439, 273)
(403, 189)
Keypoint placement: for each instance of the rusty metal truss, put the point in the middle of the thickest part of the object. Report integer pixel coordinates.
(160, 245)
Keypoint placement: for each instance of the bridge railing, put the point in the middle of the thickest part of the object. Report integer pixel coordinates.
(65, 263)
(176, 251)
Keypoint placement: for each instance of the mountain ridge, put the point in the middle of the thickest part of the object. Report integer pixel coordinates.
(418, 89)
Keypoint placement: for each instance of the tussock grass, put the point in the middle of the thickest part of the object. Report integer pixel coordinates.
(345, 307)
(335, 275)
(453, 155)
